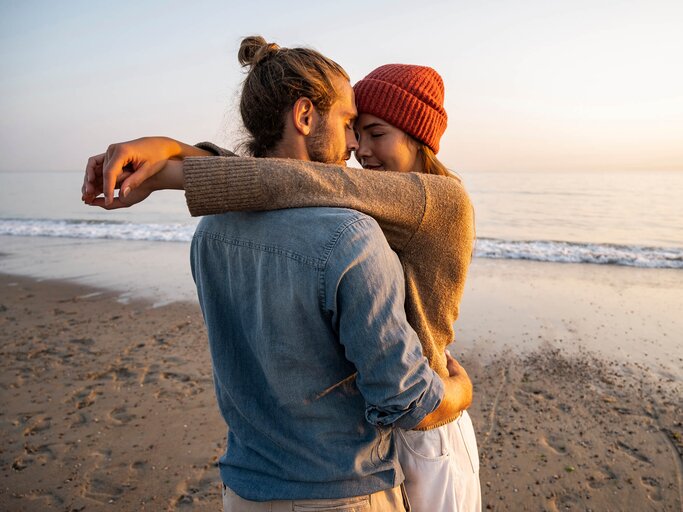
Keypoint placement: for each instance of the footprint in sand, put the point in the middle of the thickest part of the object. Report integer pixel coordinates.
(102, 490)
(19, 379)
(119, 416)
(149, 374)
(79, 420)
(182, 385)
(540, 393)
(41, 454)
(37, 424)
(137, 466)
(535, 397)
(114, 372)
(201, 488)
(652, 487)
(43, 500)
(120, 373)
(21, 463)
(97, 484)
(556, 444)
(178, 377)
(84, 344)
(600, 478)
(84, 397)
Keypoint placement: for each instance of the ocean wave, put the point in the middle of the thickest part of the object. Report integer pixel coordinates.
(574, 252)
(535, 250)
(115, 230)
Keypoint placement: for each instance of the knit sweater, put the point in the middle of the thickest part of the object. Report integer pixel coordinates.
(428, 221)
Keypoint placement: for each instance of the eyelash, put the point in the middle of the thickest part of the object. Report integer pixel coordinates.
(376, 135)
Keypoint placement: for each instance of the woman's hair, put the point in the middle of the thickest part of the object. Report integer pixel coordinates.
(431, 164)
(276, 78)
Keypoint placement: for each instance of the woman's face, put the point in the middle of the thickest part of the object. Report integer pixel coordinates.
(382, 146)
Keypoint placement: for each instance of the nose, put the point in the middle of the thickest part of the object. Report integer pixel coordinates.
(362, 150)
(351, 142)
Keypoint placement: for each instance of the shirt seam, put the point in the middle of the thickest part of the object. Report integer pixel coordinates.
(332, 244)
(315, 263)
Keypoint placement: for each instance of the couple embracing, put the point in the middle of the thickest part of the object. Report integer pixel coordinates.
(329, 293)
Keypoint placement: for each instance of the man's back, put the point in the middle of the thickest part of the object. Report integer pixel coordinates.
(308, 336)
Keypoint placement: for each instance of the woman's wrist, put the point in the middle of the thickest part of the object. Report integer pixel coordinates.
(169, 178)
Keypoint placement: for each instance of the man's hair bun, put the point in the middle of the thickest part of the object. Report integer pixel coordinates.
(254, 49)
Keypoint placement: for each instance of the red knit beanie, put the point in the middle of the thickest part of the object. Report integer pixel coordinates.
(408, 97)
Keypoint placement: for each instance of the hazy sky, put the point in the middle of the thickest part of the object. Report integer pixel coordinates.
(530, 84)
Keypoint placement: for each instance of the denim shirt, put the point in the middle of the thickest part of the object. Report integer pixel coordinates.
(314, 362)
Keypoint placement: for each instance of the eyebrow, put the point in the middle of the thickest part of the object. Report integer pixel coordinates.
(371, 125)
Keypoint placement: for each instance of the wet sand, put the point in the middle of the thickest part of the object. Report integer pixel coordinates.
(108, 402)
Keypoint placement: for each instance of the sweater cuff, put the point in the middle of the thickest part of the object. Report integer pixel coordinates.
(217, 184)
(216, 150)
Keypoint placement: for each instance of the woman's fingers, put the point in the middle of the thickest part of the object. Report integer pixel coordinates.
(115, 160)
(93, 173)
(135, 179)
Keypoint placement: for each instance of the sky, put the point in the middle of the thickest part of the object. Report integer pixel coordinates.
(531, 85)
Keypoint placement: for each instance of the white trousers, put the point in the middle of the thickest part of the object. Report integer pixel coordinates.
(441, 467)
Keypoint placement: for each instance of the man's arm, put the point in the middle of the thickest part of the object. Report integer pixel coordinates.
(364, 295)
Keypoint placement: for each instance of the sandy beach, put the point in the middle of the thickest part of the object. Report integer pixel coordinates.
(108, 401)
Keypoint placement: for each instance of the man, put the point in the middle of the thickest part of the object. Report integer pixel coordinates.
(314, 361)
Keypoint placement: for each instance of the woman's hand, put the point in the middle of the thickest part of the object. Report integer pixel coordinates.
(170, 177)
(127, 165)
(453, 366)
(457, 396)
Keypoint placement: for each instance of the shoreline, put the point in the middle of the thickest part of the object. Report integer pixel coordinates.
(112, 403)
(158, 272)
(623, 313)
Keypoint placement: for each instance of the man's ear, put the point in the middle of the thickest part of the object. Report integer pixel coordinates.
(302, 115)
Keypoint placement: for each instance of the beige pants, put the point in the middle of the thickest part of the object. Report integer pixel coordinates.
(393, 500)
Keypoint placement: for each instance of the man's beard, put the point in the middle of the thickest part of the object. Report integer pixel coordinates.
(320, 146)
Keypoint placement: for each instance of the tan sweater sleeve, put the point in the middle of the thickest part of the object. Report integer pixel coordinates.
(217, 185)
(427, 220)
(435, 264)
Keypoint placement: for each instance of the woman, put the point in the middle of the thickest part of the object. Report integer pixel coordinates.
(426, 217)
(439, 472)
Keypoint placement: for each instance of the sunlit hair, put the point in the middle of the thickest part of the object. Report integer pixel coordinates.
(277, 77)
(431, 164)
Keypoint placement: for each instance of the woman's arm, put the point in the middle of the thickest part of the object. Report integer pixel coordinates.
(133, 165)
(428, 220)
(217, 185)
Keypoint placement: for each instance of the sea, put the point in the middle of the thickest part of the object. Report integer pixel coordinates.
(629, 218)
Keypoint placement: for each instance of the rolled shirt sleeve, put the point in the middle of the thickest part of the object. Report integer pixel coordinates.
(364, 291)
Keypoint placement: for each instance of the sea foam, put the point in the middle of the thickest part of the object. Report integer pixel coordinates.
(535, 250)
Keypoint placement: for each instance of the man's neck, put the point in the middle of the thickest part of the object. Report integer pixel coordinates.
(288, 151)
(291, 145)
